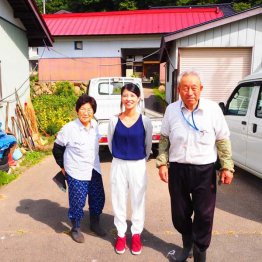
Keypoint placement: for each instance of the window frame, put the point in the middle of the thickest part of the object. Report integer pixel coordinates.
(247, 84)
(259, 93)
(76, 43)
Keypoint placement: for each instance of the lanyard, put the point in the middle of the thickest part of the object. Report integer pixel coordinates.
(188, 122)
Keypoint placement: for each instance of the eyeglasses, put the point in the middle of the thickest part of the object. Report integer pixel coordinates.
(88, 111)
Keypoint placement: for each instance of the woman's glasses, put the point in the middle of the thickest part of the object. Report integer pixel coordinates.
(89, 111)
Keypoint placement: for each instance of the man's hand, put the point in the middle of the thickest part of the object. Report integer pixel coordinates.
(226, 177)
(163, 173)
(63, 171)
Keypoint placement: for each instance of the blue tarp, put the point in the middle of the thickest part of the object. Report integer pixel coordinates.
(6, 141)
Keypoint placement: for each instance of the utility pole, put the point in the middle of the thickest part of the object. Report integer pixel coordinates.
(43, 6)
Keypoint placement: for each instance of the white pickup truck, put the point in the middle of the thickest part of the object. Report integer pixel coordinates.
(106, 91)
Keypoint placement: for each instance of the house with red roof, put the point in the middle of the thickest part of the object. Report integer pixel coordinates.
(120, 43)
(223, 51)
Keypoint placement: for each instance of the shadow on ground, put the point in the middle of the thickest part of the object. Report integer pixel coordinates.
(243, 197)
(55, 216)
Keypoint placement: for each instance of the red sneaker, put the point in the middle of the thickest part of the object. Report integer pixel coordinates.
(136, 247)
(120, 246)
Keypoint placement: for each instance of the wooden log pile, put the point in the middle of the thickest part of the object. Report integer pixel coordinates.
(21, 127)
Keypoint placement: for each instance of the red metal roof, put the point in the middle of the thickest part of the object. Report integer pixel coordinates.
(155, 21)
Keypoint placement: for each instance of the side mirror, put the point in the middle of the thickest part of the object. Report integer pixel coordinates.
(223, 107)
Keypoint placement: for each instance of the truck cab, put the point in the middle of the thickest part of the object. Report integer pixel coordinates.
(243, 113)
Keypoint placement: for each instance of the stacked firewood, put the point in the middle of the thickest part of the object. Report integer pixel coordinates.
(21, 125)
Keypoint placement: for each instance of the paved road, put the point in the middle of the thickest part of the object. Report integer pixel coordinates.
(34, 224)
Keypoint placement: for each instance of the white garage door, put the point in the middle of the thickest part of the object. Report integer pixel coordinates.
(220, 68)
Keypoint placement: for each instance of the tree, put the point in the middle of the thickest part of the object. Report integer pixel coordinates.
(90, 5)
(77, 6)
(127, 5)
(52, 6)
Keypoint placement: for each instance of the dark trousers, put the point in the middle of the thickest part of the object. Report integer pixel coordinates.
(192, 189)
(78, 191)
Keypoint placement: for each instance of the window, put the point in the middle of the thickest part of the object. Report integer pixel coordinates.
(259, 104)
(239, 102)
(78, 45)
(110, 88)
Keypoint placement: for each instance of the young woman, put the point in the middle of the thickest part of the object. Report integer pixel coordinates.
(130, 141)
(76, 152)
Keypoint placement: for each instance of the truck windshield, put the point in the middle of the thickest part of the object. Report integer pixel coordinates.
(110, 87)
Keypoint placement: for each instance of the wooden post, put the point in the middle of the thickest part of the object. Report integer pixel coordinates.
(6, 116)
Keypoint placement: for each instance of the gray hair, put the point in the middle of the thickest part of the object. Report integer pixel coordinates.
(186, 73)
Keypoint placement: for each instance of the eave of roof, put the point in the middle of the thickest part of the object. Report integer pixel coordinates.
(37, 31)
(153, 21)
(212, 24)
(166, 39)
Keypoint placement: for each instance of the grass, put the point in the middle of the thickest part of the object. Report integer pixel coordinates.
(34, 157)
(29, 159)
(6, 178)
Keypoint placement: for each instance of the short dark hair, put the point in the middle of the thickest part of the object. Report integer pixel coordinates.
(84, 99)
(132, 88)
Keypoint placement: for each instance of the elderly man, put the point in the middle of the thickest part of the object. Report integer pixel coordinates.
(194, 132)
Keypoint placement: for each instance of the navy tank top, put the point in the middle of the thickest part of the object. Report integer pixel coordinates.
(129, 142)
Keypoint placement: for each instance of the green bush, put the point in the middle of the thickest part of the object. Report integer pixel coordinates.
(53, 111)
(64, 89)
(160, 97)
(159, 94)
(34, 77)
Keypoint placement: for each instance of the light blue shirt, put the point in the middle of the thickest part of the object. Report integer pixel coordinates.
(82, 149)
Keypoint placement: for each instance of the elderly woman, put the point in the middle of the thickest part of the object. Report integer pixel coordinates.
(76, 152)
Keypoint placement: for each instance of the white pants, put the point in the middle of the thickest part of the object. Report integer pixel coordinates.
(128, 175)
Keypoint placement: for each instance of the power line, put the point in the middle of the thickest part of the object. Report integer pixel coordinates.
(85, 62)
